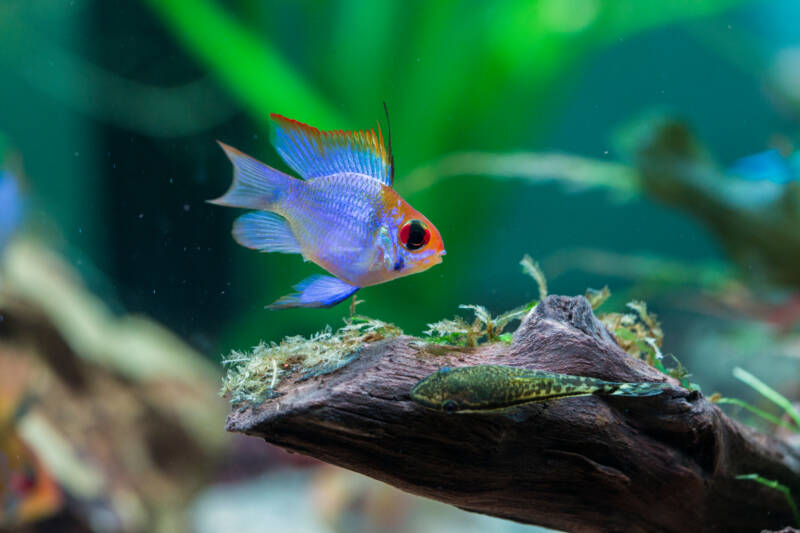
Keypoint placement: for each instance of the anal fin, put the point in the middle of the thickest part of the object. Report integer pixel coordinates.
(265, 231)
(316, 291)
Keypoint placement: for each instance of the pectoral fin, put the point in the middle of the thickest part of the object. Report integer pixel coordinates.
(316, 291)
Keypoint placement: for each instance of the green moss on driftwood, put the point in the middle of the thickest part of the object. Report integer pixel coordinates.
(254, 376)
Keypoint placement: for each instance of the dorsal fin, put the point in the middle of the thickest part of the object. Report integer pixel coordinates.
(313, 153)
(388, 138)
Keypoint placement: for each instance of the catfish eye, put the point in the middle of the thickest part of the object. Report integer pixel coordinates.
(449, 406)
(414, 235)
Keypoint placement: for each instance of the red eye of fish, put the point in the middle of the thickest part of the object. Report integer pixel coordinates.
(414, 235)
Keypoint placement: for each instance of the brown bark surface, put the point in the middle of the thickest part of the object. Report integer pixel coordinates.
(663, 463)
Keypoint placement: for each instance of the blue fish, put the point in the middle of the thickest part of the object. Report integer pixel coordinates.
(11, 206)
(343, 215)
(769, 165)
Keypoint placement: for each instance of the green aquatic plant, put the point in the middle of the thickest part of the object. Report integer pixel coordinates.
(597, 297)
(770, 394)
(254, 376)
(459, 332)
(455, 331)
(532, 268)
(638, 333)
(777, 486)
(248, 65)
(793, 424)
(769, 417)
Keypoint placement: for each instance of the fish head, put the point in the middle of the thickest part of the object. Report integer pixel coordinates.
(417, 243)
(431, 391)
(466, 389)
(448, 389)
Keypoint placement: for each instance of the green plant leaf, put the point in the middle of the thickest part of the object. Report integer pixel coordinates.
(777, 486)
(249, 66)
(769, 393)
(532, 268)
(756, 411)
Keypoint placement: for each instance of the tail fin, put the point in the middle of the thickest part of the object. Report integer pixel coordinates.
(634, 389)
(255, 185)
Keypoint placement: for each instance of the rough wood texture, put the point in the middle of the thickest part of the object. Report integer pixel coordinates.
(664, 463)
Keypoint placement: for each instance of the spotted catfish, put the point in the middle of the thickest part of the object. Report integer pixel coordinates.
(497, 387)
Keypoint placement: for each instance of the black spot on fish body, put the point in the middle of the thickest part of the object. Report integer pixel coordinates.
(399, 264)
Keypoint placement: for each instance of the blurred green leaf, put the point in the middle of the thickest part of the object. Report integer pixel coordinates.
(626, 17)
(248, 65)
(769, 393)
(756, 411)
(575, 172)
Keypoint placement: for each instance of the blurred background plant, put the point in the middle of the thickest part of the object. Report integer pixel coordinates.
(605, 138)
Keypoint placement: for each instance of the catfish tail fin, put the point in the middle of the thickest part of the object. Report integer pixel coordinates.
(255, 185)
(634, 389)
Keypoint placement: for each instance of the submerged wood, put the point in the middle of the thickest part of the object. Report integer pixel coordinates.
(663, 463)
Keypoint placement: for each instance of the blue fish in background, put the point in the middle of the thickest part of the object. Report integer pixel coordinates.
(11, 206)
(768, 166)
(761, 179)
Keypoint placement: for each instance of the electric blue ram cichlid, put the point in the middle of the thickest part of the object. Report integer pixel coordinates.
(343, 215)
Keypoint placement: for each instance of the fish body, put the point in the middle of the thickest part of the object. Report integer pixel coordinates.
(343, 215)
(760, 179)
(770, 166)
(495, 387)
(11, 206)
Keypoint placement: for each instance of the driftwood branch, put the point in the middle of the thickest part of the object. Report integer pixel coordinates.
(664, 463)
